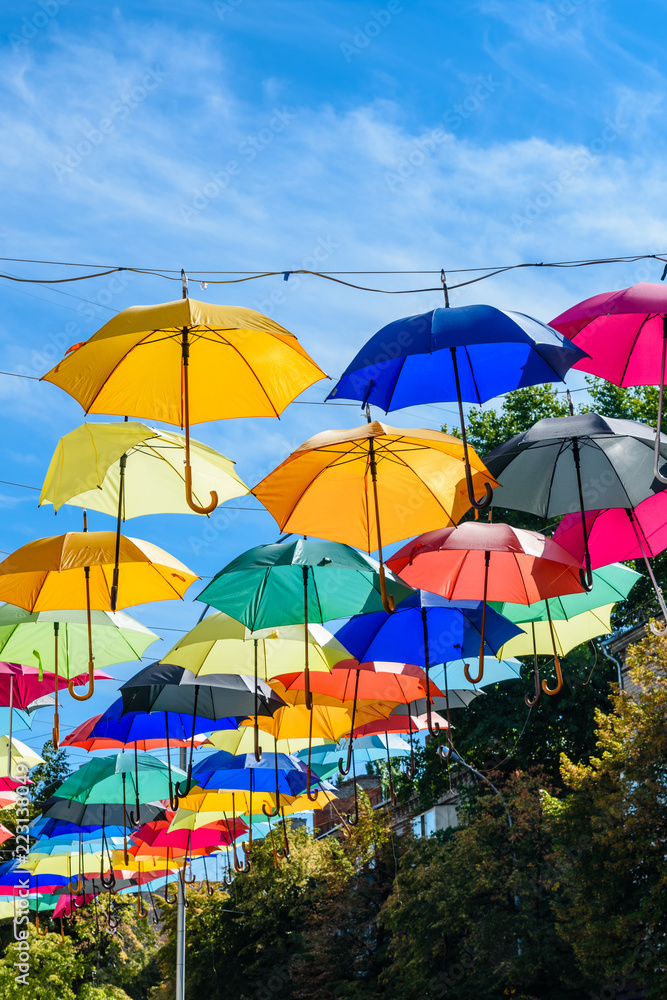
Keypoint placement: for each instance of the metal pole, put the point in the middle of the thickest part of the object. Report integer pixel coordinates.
(180, 919)
(11, 713)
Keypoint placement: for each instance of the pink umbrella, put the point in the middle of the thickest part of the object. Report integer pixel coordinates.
(625, 335)
(617, 534)
(20, 685)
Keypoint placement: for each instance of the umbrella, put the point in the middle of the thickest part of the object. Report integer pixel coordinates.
(336, 484)
(365, 750)
(221, 644)
(426, 628)
(361, 682)
(115, 729)
(625, 336)
(576, 463)
(465, 354)
(620, 534)
(165, 687)
(14, 753)
(610, 584)
(299, 581)
(488, 561)
(453, 672)
(55, 641)
(76, 570)
(23, 687)
(241, 740)
(129, 469)
(87, 814)
(144, 361)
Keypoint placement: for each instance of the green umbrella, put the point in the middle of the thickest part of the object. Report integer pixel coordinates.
(298, 582)
(57, 641)
(118, 778)
(610, 584)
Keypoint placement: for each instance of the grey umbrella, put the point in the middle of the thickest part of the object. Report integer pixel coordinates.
(585, 462)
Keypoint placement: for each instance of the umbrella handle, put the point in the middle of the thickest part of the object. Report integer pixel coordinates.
(472, 680)
(445, 752)
(285, 853)
(656, 449)
(42, 933)
(167, 900)
(388, 602)
(559, 675)
(353, 822)
(312, 797)
(185, 368)
(346, 770)
(480, 664)
(91, 660)
(392, 794)
(142, 912)
(190, 500)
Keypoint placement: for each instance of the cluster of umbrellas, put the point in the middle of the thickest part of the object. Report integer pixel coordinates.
(311, 658)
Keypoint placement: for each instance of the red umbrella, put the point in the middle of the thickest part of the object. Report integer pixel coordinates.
(154, 837)
(482, 561)
(80, 737)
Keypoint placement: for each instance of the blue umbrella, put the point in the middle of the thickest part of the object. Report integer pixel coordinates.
(135, 726)
(425, 629)
(452, 674)
(466, 354)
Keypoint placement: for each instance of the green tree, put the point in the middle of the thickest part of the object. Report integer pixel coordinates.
(471, 912)
(612, 836)
(53, 967)
(47, 777)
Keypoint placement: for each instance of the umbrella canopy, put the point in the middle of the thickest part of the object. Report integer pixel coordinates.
(226, 772)
(610, 584)
(622, 332)
(523, 566)
(300, 580)
(116, 779)
(497, 351)
(114, 729)
(566, 633)
(164, 687)
(156, 837)
(220, 644)
(329, 722)
(400, 724)
(20, 754)
(145, 361)
(30, 638)
(451, 675)
(371, 486)
(75, 813)
(85, 471)
(76, 570)
(325, 487)
(470, 353)
(583, 462)
(361, 683)
(21, 686)
(241, 740)
(366, 749)
(201, 808)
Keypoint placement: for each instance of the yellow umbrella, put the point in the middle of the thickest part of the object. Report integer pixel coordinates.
(372, 485)
(145, 360)
(202, 808)
(132, 469)
(20, 755)
(221, 644)
(557, 637)
(76, 571)
(238, 741)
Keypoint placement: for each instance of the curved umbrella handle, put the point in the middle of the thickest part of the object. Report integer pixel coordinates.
(189, 498)
(167, 900)
(42, 933)
(445, 751)
(559, 675)
(485, 502)
(472, 680)
(312, 796)
(185, 368)
(586, 577)
(388, 602)
(142, 912)
(91, 660)
(656, 447)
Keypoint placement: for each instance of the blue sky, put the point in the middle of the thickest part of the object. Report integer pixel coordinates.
(262, 134)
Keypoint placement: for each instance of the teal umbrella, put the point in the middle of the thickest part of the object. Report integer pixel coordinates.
(610, 584)
(298, 582)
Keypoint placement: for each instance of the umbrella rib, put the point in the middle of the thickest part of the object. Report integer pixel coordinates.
(472, 374)
(254, 376)
(561, 449)
(645, 320)
(398, 375)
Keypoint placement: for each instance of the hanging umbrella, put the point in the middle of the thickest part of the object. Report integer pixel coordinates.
(365, 750)
(371, 486)
(155, 837)
(86, 814)
(425, 629)
(299, 581)
(576, 463)
(618, 534)
(76, 570)
(494, 671)
(14, 753)
(145, 360)
(220, 644)
(113, 729)
(129, 469)
(165, 687)
(488, 561)
(56, 642)
(241, 740)
(610, 584)
(465, 354)
(625, 336)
